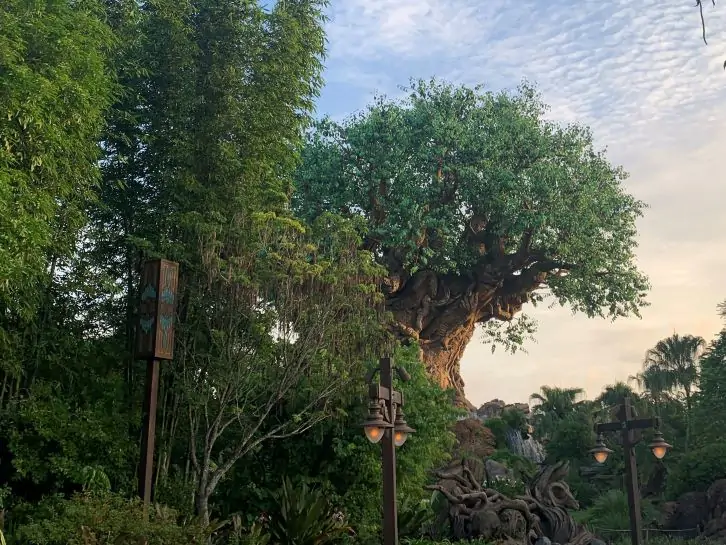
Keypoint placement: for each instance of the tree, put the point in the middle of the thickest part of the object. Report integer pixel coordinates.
(57, 86)
(554, 405)
(710, 412)
(476, 204)
(672, 366)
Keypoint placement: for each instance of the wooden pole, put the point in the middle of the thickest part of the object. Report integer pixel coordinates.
(631, 473)
(148, 439)
(154, 342)
(388, 452)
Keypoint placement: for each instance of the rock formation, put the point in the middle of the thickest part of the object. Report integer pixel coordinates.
(495, 408)
(699, 512)
(540, 515)
(473, 439)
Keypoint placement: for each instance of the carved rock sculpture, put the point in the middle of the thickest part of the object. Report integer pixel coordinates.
(535, 518)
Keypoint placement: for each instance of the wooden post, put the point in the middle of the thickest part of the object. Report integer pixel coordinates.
(388, 452)
(154, 342)
(631, 472)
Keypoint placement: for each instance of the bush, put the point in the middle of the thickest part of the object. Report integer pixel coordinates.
(499, 428)
(610, 512)
(697, 470)
(100, 519)
(304, 516)
(524, 469)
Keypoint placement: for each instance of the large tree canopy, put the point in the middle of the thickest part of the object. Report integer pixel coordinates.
(476, 204)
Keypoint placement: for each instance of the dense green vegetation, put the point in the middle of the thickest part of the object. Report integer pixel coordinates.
(184, 129)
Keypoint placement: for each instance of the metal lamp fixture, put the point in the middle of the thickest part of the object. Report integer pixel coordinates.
(386, 423)
(375, 424)
(658, 446)
(600, 452)
(627, 424)
(401, 430)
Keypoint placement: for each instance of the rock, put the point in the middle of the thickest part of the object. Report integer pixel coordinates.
(522, 407)
(716, 497)
(691, 511)
(542, 540)
(491, 409)
(495, 470)
(474, 439)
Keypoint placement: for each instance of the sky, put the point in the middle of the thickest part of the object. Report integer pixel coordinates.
(640, 75)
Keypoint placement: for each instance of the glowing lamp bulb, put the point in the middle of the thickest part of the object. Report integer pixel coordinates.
(601, 457)
(374, 433)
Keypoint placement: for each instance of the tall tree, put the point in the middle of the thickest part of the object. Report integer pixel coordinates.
(56, 87)
(672, 365)
(710, 414)
(476, 204)
(553, 406)
(273, 313)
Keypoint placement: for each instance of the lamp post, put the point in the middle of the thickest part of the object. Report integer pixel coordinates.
(627, 424)
(386, 422)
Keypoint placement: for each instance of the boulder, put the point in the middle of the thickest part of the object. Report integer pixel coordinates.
(491, 409)
(690, 511)
(474, 439)
(496, 470)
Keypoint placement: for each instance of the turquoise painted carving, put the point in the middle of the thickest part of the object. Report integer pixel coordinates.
(148, 293)
(147, 324)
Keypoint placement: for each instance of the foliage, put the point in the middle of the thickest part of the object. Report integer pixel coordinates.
(413, 517)
(56, 89)
(523, 468)
(515, 419)
(672, 366)
(480, 181)
(304, 516)
(610, 512)
(697, 470)
(337, 453)
(425, 541)
(571, 439)
(499, 428)
(710, 410)
(103, 519)
(507, 486)
(553, 405)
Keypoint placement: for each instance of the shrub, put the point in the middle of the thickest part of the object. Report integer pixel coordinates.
(303, 516)
(507, 486)
(610, 512)
(524, 469)
(499, 429)
(102, 519)
(697, 470)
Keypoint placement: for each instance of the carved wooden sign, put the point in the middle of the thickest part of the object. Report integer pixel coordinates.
(157, 308)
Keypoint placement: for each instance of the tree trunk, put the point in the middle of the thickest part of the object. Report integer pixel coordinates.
(441, 313)
(201, 505)
(688, 419)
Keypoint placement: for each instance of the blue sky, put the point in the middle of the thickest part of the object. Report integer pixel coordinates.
(640, 75)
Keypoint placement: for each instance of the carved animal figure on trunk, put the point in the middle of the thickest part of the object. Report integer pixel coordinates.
(479, 512)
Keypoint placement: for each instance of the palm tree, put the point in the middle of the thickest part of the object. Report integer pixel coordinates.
(558, 402)
(671, 366)
(554, 404)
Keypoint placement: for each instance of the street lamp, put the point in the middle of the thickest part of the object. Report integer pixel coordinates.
(626, 423)
(386, 422)
(658, 446)
(600, 452)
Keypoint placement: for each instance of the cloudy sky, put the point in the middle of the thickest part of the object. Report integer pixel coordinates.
(639, 74)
